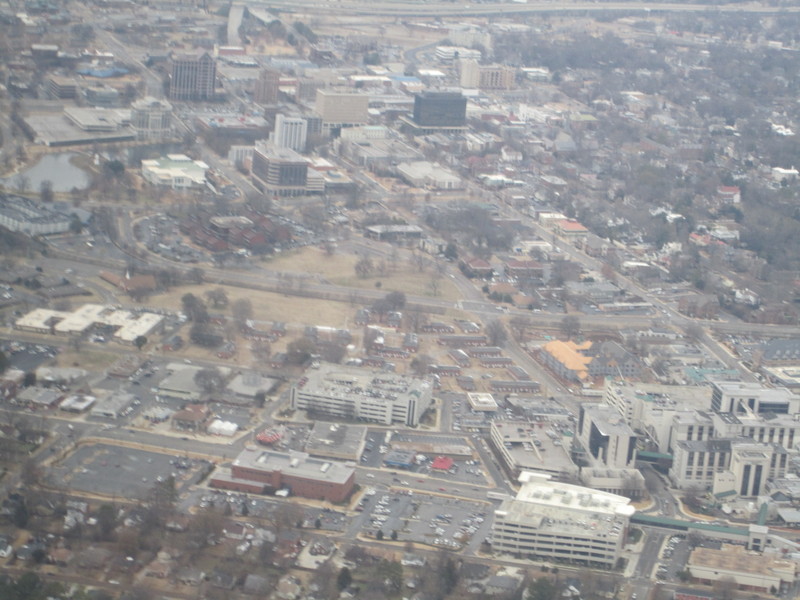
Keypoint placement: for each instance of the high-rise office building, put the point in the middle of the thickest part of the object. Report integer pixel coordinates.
(440, 109)
(341, 108)
(266, 90)
(605, 436)
(152, 119)
(485, 77)
(290, 132)
(279, 171)
(193, 77)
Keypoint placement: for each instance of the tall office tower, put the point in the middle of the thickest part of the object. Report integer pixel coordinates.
(440, 109)
(290, 132)
(152, 119)
(469, 72)
(486, 77)
(279, 171)
(193, 77)
(607, 438)
(266, 90)
(341, 108)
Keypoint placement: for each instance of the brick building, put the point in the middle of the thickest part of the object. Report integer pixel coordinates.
(261, 471)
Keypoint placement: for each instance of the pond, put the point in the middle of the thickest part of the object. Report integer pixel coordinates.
(56, 168)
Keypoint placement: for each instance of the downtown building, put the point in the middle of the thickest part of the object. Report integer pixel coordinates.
(193, 77)
(339, 109)
(550, 520)
(290, 132)
(279, 171)
(437, 112)
(267, 86)
(353, 393)
(151, 119)
(259, 471)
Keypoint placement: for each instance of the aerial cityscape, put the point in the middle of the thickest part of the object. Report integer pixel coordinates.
(425, 300)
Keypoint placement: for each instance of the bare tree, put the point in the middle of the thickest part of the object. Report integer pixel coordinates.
(435, 284)
(570, 326)
(218, 297)
(725, 588)
(519, 326)
(496, 332)
(242, 311)
(46, 191)
(420, 364)
(364, 267)
(210, 380)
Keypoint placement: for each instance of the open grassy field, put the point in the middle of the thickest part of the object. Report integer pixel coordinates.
(312, 260)
(339, 269)
(267, 306)
(87, 358)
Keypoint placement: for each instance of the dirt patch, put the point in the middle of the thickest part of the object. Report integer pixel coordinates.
(267, 306)
(89, 359)
(339, 269)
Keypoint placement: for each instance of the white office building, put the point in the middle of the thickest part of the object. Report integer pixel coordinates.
(553, 520)
(290, 132)
(741, 397)
(151, 119)
(354, 393)
(725, 466)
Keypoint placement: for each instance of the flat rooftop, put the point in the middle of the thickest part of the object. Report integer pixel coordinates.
(340, 381)
(57, 130)
(295, 464)
(335, 438)
(566, 508)
(534, 446)
(737, 558)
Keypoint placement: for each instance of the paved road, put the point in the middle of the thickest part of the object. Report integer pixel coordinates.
(428, 8)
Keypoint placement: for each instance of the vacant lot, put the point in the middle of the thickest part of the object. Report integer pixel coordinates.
(88, 358)
(267, 306)
(339, 269)
(312, 260)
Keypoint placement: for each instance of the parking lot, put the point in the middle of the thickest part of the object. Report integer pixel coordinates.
(28, 357)
(674, 555)
(267, 508)
(421, 518)
(463, 418)
(464, 470)
(121, 471)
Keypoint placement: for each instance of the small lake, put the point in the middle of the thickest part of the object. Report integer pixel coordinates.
(56, 168)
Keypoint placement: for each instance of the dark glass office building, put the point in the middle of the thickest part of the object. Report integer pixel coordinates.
(440, 109)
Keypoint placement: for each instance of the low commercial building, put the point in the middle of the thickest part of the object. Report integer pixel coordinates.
(336, 440)
(553, 520)
(424, 174)
(354, 393)
(20, 214)
(112, 407)
(175, 171)
(482, 402)
(393, 233)
(125, 326)
(100, 120)
(261, 471)
(759, 574)
(534, 447)
(246, 387)
(180, 383)
(566, 359)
